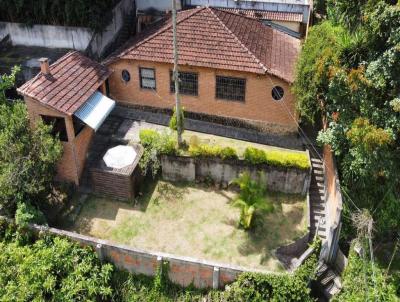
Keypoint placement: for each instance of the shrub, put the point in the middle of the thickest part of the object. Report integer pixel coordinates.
(255, 156)
(173, 122)
(205, 150)
(148, 136)
(155, 144)
(52, 269)
(228, 153)
(288, 159)
(271, 287)
(277, 158)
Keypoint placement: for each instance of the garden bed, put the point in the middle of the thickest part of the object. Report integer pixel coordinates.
(195, 221)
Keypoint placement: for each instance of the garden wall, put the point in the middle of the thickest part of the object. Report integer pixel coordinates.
(69, 37)
(46, 35)
(183, 271)
(279, 179)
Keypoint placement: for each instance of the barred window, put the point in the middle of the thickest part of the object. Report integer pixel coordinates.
(147, 78)
(230, 88)
(188, 83)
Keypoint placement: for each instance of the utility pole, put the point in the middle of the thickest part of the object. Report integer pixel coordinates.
(176, 76)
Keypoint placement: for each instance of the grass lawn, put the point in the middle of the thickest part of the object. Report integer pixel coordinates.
(195, 221)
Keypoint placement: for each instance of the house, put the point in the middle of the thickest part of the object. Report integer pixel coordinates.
(292, 16)
(70, 96)
(230, 65)
(291, 23)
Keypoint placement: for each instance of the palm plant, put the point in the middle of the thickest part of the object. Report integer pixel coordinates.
(251, 198)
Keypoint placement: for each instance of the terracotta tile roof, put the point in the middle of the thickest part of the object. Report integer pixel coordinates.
(210, 37)
(72, 80)
(267, 15)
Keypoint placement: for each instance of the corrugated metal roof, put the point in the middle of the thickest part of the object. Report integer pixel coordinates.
(95, 110)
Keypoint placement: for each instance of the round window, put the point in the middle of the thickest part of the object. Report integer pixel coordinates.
(126, 76)
(277, 93)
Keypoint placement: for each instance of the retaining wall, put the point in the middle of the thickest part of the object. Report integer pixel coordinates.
(69, 37)
(286, 180)
(183, 271)
(49, 36)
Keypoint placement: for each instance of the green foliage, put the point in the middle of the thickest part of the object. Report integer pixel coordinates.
(228, 153)
(255, 156)
(155, 144)
(269, 287)
(28, 157)
(52, 269)
(315, 66)
(251, 198)
(94, 14)
(173, 122)
(204, 150)
(26, 213)
(148, 136)
(286, 159)
(363, 281)
(349, 66)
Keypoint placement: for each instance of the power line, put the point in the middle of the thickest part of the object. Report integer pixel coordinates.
(283, 104)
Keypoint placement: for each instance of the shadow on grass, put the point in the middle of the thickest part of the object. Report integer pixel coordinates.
(272, 230)
(153, 190)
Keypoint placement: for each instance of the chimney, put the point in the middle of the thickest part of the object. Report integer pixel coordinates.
(44, 65)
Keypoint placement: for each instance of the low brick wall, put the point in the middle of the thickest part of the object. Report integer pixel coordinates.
(183, 271)
(286, 180)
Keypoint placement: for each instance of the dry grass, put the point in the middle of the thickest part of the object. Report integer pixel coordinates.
(195, 221)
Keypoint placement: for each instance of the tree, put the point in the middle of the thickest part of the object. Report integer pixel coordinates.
(28, 156)
(348, 72)
(52, 269)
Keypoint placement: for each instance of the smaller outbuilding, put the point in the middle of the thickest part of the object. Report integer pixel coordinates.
(70, 95)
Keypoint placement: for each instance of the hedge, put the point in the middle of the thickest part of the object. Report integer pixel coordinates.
(254, 156)
(277, 158)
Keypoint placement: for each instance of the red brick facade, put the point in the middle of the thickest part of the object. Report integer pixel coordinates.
(259, 106)
(71, 165)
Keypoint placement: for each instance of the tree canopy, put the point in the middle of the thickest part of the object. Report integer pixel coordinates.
(28, 158)
(349, 72)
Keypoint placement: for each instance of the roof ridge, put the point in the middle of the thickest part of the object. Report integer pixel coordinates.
(158, 32)
(236, 37)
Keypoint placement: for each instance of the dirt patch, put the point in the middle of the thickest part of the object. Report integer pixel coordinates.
(195, 221)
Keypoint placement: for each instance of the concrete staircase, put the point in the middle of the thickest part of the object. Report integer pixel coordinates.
(328, 280)
(317, 196)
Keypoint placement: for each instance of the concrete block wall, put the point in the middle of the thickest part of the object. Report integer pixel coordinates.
(48, 36)
(286, 180)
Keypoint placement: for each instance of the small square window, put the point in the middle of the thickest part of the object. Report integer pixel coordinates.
(233, 89)
(147, 78)
(188, 83)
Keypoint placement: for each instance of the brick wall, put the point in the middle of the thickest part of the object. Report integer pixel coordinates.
(334, 204)
(259, 105)
(70, 166)
(183, 271)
